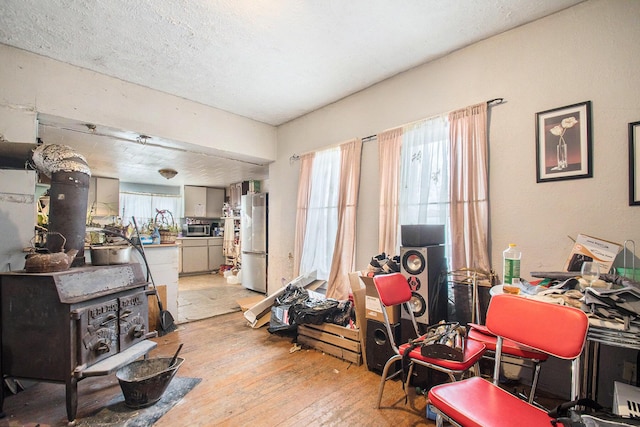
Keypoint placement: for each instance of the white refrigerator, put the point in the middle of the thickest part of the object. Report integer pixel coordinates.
(253, 236)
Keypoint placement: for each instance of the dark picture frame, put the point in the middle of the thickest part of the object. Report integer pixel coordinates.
(634, 164)
(564, 148)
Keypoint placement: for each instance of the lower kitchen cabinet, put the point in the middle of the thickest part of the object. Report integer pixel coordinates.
(195, 255)
(216, 257)
(201, 255)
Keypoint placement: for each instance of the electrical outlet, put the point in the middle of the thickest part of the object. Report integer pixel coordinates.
(628, 371)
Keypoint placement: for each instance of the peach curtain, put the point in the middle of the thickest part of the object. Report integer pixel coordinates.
(389, 144)
(304, 191)
(468, 186)
(344, 252)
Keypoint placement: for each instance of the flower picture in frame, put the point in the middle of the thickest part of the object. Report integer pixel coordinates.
(563, 143)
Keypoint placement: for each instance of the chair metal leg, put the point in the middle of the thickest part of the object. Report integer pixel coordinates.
(534, 382)
(384, 378)
(439, 420)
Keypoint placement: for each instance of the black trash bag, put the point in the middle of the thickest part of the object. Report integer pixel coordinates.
(292, 295)
(342, 314)
(313, 312)
(281, 319)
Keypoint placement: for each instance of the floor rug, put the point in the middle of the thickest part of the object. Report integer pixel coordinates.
(117, 414)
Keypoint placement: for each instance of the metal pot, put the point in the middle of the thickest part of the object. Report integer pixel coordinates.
(109, 255)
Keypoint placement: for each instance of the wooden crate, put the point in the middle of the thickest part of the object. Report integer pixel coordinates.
(335, 340)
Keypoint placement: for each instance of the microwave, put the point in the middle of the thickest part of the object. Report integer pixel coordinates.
(196, 230)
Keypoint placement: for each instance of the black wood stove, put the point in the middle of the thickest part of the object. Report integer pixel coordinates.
(66, 326)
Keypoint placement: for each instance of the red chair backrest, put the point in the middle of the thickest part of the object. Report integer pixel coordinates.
(393, 289)
(552, 328)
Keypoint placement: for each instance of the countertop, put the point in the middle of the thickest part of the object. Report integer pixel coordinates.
(199, 237)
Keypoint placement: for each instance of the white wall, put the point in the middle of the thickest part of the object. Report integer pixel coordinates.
(31, 83)
(588, 52)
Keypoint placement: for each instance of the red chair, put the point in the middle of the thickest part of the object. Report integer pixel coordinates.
(557, 330)
(481, 333)
(394, 289)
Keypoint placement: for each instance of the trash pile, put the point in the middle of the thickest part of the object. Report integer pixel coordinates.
(299, 306)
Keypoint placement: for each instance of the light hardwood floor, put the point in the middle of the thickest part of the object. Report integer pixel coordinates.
(249, 378)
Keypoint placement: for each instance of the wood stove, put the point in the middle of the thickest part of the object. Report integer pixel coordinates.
(69, 325)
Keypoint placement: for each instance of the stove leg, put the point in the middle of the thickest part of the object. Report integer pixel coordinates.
(72, 400)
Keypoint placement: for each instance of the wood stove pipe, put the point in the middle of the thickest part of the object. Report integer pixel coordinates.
(69, 191)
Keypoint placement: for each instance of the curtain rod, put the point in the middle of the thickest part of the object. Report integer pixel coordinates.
(490, 103)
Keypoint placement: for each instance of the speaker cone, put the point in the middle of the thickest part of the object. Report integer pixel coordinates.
(413, 262)
(418, 305)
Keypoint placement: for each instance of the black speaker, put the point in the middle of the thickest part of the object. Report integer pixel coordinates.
(379, 348)
(426, 271)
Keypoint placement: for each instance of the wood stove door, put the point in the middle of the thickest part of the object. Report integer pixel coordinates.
(133, 319)
(98, 332)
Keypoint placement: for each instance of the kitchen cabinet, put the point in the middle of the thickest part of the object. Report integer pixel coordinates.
(216, 257)
(201, 202)
(195, 200)
(104, 196)
(195, 255)
(214, 202)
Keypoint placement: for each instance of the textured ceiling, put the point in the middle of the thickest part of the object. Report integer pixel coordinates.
(268, 60)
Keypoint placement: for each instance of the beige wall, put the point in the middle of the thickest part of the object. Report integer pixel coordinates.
(589, 52)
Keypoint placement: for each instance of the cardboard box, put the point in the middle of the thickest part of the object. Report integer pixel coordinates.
(588, 248)
(372, 303)
(358, 292)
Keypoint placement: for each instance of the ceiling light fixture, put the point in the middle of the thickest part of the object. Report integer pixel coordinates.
(168, 173)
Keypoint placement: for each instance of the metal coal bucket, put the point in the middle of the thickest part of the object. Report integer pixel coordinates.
(144, 381)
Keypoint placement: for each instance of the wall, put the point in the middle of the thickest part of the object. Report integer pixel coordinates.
(31, 83)
(588, 52)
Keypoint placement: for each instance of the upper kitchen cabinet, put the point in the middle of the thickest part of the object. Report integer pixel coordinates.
(203, 201)
(195, 201)
(215, 202)
(104, 196)
(236, 191)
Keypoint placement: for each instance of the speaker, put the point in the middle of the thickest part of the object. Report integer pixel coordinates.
(426, 271)
(379, 348)
(418, 235)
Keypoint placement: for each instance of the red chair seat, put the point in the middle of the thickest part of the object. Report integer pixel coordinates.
(496, 407)
(473, 351)
(482, 334)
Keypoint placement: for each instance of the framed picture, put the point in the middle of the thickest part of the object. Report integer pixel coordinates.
(634, 164)
(563, 143)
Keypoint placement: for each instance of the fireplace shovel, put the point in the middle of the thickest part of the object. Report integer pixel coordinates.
(167, 323)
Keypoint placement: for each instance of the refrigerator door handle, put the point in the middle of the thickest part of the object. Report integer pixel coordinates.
(253, 253)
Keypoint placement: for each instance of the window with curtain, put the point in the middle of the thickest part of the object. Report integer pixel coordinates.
(424, 176)
(322, 214)
(143, 206)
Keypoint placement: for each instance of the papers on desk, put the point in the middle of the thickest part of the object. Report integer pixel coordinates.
(626, 300)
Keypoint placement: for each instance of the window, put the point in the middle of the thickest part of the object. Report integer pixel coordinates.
(322, 216)
(143, 206)
(424, 175)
